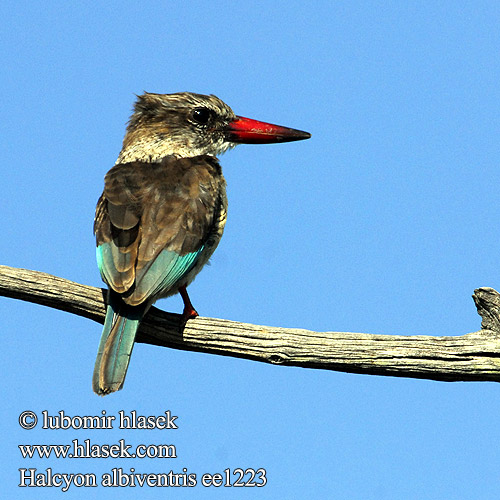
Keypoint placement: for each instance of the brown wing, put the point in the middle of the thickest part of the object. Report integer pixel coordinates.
(149, 207)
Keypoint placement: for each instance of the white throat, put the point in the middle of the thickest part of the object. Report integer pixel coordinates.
(154, 151)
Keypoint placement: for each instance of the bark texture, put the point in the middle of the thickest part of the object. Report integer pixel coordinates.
(471, 357)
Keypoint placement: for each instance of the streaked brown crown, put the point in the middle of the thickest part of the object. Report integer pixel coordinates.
(184, 124)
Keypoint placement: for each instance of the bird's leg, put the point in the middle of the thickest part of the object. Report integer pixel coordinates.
(189, 311)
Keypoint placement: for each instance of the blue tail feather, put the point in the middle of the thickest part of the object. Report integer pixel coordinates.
(115, 348)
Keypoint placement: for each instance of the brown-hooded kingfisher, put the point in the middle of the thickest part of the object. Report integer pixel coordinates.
(163, 211)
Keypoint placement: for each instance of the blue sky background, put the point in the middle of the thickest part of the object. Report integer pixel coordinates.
(384, 222)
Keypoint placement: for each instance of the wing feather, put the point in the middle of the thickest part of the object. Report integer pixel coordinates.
(152, 222)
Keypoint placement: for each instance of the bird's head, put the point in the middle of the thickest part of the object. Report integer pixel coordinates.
(187, 124)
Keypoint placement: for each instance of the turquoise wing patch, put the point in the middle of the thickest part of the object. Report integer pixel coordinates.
(104, 259)
(165, 273)
(158, 278)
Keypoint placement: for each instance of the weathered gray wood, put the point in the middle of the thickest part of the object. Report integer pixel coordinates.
(474, 356)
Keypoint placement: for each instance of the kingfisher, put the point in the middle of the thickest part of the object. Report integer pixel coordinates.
(163, 211)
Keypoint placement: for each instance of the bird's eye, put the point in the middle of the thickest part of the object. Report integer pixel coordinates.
(202, 115)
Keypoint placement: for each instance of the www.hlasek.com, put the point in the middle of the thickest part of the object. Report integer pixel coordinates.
(88, 450)
(117, 476)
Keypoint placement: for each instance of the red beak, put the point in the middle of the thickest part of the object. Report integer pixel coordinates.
(248, 131)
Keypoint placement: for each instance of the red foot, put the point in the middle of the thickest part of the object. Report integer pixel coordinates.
(189, 311)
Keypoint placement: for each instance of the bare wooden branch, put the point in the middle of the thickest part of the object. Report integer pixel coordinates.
(474, 356)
